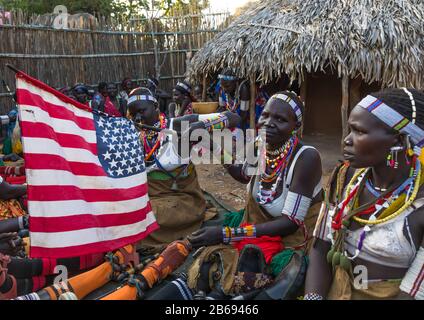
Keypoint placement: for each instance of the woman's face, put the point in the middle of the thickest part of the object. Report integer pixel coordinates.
(80, 95)
(112, 90)
(178, 96)
(369, 140)
(229, 86)
(198, 92)
(104, 92)
(279, 121)
(128, 86)
(144, 112)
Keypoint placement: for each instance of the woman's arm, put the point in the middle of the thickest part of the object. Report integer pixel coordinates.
(307, 175)
(243, 173)
(184, 106)
(8, 191)
(236, 171)
(319, 275)
(171, 109)
(12, 225)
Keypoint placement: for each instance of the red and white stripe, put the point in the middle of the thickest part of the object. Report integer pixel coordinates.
(75, 207)
(418, 283)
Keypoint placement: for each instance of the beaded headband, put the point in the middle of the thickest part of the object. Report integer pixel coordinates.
(184, 86)
(152, 83)
(80, 88)
(138, 88)
(394, 120)
(141, 98)
(297, 110)
(227, 78)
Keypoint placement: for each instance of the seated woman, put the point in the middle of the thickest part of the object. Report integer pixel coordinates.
(281, 204)
(182, 104)
(369, 236)
(175, 194)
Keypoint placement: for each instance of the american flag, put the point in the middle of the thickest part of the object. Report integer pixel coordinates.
(87, 185)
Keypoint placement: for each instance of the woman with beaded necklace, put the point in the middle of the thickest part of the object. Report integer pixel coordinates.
(176, 197)
(369, 236)
(283, 201)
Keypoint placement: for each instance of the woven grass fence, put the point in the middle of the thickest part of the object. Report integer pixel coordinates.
(113, 51)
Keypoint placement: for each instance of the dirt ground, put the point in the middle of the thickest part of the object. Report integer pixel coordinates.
(215, 179)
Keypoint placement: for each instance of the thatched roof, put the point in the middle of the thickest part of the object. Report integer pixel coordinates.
(381, 40)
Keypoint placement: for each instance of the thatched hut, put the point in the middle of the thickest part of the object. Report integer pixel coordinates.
(339, 50)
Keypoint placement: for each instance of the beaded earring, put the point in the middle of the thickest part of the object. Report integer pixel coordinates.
(392, 158)
(409, 152)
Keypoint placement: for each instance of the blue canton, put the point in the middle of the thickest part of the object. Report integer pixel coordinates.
(118, 146)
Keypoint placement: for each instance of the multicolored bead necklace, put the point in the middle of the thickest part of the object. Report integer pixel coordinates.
(387, 206)
(153, 138)
(231, 105)
(275, 170)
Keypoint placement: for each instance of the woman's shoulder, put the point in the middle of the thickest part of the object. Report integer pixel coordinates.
(308, 156)
(307, 164)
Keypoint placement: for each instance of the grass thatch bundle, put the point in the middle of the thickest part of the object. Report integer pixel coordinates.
(380, 40)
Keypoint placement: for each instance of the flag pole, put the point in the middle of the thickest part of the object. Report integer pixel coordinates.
(13, 68)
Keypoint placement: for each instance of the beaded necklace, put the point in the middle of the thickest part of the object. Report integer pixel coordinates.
(277, 166)
(153, 138)
(409, 187)
(385, 205)
(231, 105)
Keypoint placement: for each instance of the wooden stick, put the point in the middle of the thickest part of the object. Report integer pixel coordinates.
(303, 95)
(204, 89)
(253, 102)
(355, 92)
(345, 108)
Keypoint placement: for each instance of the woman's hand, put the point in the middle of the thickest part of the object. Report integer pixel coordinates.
(186, 101)
(206, 237)
(11, 244)
(13, 157)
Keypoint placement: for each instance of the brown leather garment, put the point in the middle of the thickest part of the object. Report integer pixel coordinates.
(178, 213)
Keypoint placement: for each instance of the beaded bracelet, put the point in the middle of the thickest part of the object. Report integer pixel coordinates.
(23, 223)
(226, 235)
(237, 234)
(248, 232)
(218, 122)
